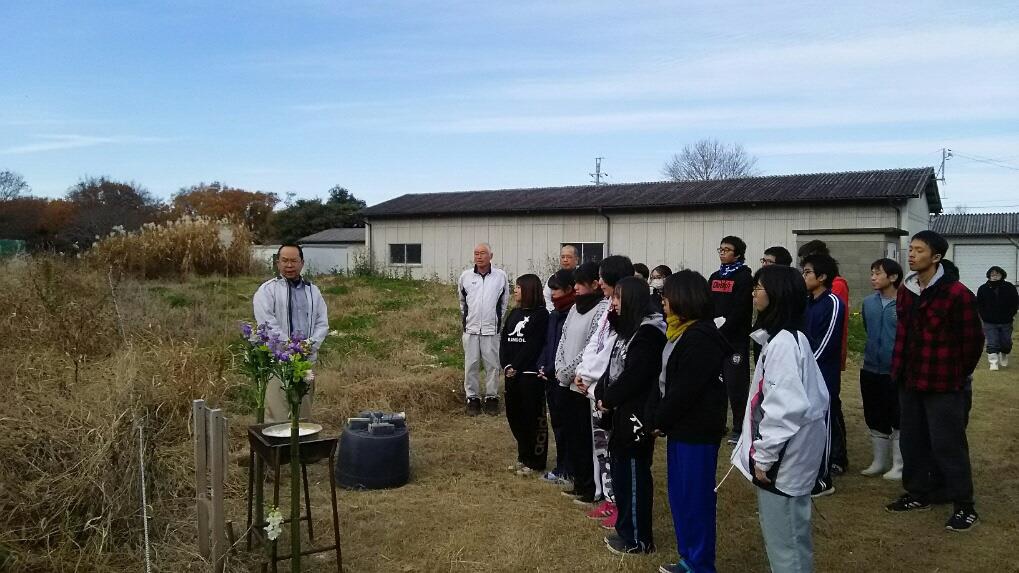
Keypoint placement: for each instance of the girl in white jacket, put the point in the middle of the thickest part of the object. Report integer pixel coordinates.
(785, 426)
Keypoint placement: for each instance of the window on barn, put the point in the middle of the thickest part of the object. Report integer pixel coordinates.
(405, 253)
(588, 252)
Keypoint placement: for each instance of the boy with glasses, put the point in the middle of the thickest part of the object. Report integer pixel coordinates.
(731, 296)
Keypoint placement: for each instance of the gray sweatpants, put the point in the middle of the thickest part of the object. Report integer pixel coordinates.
(480, 348)
(785, 523)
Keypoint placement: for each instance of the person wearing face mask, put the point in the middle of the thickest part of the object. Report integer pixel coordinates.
(290, 304)
(657, 283)
(563, 297)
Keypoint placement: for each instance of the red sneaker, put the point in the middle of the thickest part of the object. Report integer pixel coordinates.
(610, 521)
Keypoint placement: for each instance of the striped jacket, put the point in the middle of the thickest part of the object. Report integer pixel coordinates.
(824, 327)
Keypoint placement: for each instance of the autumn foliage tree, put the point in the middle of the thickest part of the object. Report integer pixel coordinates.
(253, 209)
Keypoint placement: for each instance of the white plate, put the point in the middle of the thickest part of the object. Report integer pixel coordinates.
(283, 430)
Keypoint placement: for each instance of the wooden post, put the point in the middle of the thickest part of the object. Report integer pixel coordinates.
(198, 411)
(217, 440)
(212, 450)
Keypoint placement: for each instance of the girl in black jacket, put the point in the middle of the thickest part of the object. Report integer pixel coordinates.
(523, 337)
(630, 383)
(691, 413)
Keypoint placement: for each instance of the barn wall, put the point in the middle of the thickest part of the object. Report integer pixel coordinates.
(680, 239)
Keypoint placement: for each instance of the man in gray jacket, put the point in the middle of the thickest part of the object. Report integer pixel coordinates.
(289, 304)
(484, 295)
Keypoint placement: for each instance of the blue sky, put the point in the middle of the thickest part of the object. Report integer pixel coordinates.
(401, 97)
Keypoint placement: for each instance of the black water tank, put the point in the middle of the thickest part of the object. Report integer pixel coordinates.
(374, 452)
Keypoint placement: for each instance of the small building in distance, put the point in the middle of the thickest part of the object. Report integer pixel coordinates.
(332, 250)
(978, 241)
(862, 215)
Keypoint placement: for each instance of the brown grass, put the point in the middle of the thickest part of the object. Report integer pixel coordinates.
(69, 494)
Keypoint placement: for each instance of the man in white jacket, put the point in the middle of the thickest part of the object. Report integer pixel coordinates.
(289, 304)
(484, 295)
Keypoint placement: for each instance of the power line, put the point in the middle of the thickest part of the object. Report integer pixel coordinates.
(988, 161)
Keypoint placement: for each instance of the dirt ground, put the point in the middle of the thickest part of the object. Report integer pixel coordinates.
(463, 511)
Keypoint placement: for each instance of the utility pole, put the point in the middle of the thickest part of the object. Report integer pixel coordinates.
(946, 154)
(597, 175)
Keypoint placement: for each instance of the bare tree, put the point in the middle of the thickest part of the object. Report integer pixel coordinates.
(709, 159)
(12, 186)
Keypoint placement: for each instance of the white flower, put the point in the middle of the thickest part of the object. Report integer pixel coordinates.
(334, 333)
(309, 376)
(275, 524)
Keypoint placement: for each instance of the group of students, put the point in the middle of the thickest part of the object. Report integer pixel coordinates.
(621, 361)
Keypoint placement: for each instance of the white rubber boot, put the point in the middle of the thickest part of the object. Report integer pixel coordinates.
(992, 359)
(896, 472)
(1003, 359)
(882, 445)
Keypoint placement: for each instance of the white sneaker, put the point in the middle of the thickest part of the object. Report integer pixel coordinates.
(992, 360)
(1003, 359)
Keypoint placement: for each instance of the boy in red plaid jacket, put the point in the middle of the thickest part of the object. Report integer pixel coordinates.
(938, 342)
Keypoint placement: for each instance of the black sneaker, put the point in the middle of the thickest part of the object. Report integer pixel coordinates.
(836, 469)
(678, 567)
(962, 520)
(907, 502)
(733, 439)
(473, 406)
(822, 488)
(586, 499)
(617, 546)
(492, 405)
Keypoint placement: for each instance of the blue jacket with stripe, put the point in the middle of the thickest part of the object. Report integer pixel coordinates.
(824, 331)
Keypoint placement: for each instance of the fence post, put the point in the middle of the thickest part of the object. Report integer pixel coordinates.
(217, 440)
(198, 411)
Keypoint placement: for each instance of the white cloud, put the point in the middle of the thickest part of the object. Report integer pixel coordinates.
(57, 142)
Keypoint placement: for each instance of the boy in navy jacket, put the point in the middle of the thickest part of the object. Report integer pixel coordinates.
(824, 320)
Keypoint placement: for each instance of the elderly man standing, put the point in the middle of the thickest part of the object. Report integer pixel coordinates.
(484, 295)
(568, 261)
(290, 304)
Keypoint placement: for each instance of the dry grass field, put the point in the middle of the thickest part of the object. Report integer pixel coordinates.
(77, 388)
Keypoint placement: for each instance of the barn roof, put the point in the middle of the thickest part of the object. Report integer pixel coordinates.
(336, 235)
(852, 186)
(976, 224)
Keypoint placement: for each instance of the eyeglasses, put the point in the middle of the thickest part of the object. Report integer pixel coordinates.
(767, 262)
(757, 288)
(290, 261)
(806, 272)
(726, 250)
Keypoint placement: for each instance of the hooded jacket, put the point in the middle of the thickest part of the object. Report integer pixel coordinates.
(632, 384)
(998, 302)
(483, 300)
(784, 429)
(597, 353)
(272, 305)
(939, 337)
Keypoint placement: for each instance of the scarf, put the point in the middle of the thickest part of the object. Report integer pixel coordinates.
(586, 302)
(676, 327)
(726, 270)
(563, 303)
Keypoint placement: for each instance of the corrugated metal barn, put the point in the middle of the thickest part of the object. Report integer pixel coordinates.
(979, 241)
(862, 216)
